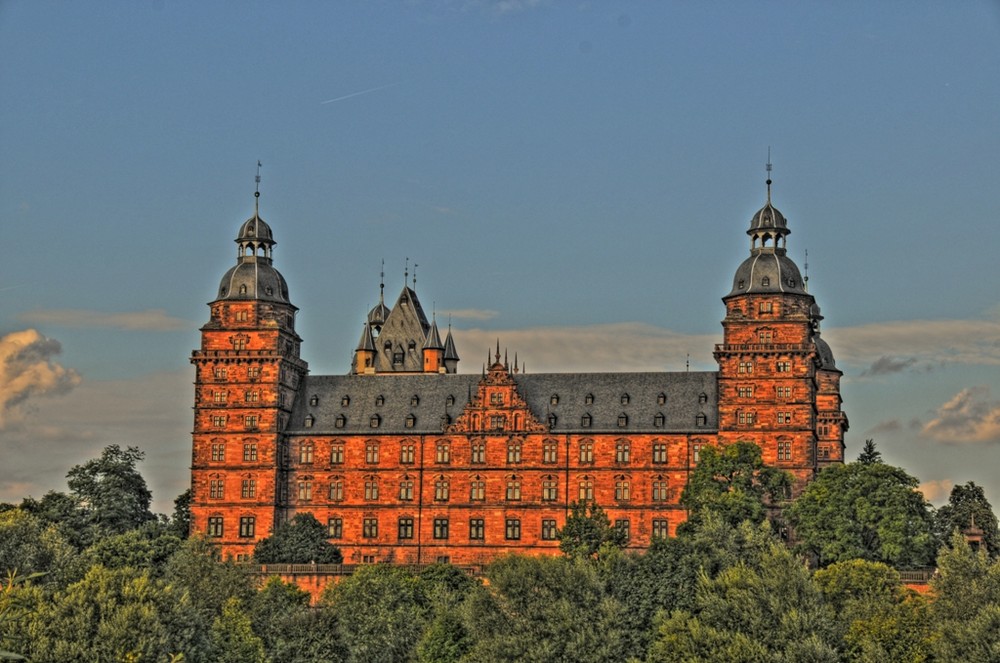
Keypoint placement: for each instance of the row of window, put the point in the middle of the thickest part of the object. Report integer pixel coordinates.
(749, 417)
(443, 452)
(222, 372)
(221, 396)
(781, 366)
(441, 531)
(747, 391)
(499, 398)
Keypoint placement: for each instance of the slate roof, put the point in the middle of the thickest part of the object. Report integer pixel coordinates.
(426, 397)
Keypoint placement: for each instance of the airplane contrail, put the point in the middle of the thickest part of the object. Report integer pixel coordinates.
(357, 94)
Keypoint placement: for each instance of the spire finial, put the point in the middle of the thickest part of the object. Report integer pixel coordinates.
(415, 265)
(687, 363)
(256, 192)
(768, 173)
(498, 351)
(406, 272)
(805, 277)
(381, 283)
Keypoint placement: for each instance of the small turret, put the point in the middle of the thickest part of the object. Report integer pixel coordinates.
(364, 355)
(450, 353)
(433, 351)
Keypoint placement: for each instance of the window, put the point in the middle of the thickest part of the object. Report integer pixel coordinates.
(696, 452)
(220, 373)
(371, 488)
(309, 421)
(824, 453)
(374, 421)
(513, 489)
(746, 418)
(549, 530)
(514, 451)
(623, 488)
(623, 451)
(305, 490)
(477, 529)
(345, 401)
(406, 489)
(661, 398)
(784, 450)
(241, 316)
(216, 489)
(397, 358)
(406, 528)
(477, 489)
(250, 421)
(496, 422)
(496, 398)
(219, 420)
(659, 420)
(746, 367)
(588, 399)
(239, 342)
(247, 527)
(442, 489)
(442, 453)
(703, 397)
(661, 489)
(783, 392)
(765, 336)
(784, 366)
(586, 451)
(766, 281)
(253, 372)
(513, 530)
(414, 400)
(214, 526)
(336, 489)
(219, 396)
(553, 419)
(371, 453)
(701, 419)
(659, 452)
(441, 528)
(550, 488)
(335, 528)
(745, 391)
(410, 421)
(554, 399)
(337, 454)
(623, 526)
(340, 421)
(625, 399)
(784, 417)
(369, 528)
(219, 451)
(622, 420)
(368, 559)
(252, 396)
(550, 451)
(306, 453)
(449, 401)
(249, 489)
(661, 529)
(766, 307)
(586, 492)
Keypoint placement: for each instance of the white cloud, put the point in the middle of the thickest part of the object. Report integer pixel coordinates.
(148, 320)
(936, 491)
(27, 371)
(470, 313)
(969, 416)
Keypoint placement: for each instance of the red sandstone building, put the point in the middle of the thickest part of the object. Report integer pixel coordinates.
(407, 460)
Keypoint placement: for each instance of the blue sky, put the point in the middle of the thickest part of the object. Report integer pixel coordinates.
(574, 178)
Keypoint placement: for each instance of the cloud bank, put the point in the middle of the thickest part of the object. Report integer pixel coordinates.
(148, 320)
(970, 416)
(28, 370)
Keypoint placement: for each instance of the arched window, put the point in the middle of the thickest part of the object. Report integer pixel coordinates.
(513, 488)
(442, 488)
(586, 489)
(336, 489)
(371, 488)
(550, 488)
(661, 488)
(623, 488)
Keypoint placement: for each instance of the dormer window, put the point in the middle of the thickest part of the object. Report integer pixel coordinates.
(340, 421)
(388, 346)
(659, 420)
(622, 420)
(766, 281)
(314, 400)
(702, 419)
(742, 284)
(411, 346)
(379, 400)
(703, 397)
(411, 421)
(449, 401)
(661, 398)
(345, 401)
(414, 400)
(554, 399)
(588, 399)
(374, 421)
(625, 399)
(552, 421)
(310, 420)
(586, 420)
(243, 289)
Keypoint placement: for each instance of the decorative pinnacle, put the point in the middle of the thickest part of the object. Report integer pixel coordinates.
(768, 173)
(256, 192)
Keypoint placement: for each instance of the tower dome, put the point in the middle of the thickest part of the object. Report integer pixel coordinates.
(253, 276)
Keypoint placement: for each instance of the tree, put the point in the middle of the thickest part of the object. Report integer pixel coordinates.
(28, 546)
(291, 630)
(968, 506)
(180, 522)
(233, 639)
(302, 540)
(864, 511)
(111, 491)
(381, 611)
(210, 582)
(149, 547)
(966, 608)
(869, 454)
(734, 483)
(587, 529)
(543, 609)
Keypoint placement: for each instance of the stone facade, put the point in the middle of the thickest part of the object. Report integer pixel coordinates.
(407, 460)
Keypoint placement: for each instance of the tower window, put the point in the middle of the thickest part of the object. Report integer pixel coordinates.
(765, 281)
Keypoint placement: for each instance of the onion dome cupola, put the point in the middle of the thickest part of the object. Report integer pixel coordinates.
(253, 277)
(768, 270)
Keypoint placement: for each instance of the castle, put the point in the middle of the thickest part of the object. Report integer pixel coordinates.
(405, 459)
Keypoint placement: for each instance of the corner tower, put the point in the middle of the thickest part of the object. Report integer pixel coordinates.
(778, 384)
(247, 373)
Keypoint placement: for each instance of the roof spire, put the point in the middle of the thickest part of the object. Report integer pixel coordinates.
(415, 265)
(381, 284)
(768, 174)
(406, 272)
(805, 277)
(256, 192)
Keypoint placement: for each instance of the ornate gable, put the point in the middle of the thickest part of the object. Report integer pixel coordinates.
(497, 406)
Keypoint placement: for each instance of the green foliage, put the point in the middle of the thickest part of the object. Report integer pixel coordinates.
(302, 540)
(28, 545)
(382, 611)
(232, 636)
(446, 640)
(869, 454)
(587, 529)
(293, 632)
(966, 506)
(210, 582)
(180, 522)
(966, 609)
(15, 607)
(110, 491)
(763, 609)
(864, 511)
(114, 615)
(543, 609)
(733, 483)
(63, 512)
(148, 547)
